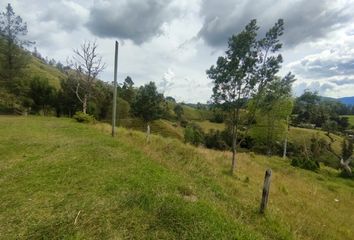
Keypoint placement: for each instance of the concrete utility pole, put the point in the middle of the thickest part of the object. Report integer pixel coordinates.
(114, 110)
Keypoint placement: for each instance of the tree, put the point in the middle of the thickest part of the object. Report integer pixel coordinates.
(194, 134)
(178, 109)
(88, 65)
(329, 126)
(13, 58)
(274, 109)
(67, 102)
(148, 104)
(42, 94)
(128, 92)
(247, 68)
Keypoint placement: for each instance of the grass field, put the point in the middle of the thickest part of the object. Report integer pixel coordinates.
(191, 113)
(207, 125)
(64, 180)
(351, 119)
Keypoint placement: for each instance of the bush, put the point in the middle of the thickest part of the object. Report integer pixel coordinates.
(305, 163)
(214, 139)
(218, 117)
(84, 117)
(184, 122)
(194, 134)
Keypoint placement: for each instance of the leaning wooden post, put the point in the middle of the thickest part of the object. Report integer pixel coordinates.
(148, 133)
(114, 110)
(265, 192)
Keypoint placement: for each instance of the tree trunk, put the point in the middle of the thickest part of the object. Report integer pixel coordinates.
(233, 164)
(148, 133)
(84, 104)
(234, 139)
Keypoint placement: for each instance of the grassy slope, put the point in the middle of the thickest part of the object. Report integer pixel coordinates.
(162, 127)
(124, 188)
(301, 135)
(351, 119)
(207, 125)
(38, 68)
(191, 113)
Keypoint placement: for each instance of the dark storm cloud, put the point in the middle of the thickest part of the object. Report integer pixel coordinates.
(305, 20)
(136, 20)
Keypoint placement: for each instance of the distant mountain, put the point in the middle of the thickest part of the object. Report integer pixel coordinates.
(346, 100)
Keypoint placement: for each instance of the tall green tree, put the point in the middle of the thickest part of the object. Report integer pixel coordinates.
(148, 104)
(275, 107)
(13, 58)
(127, 92)
(245, 70)
(42, 94)
(178, 109)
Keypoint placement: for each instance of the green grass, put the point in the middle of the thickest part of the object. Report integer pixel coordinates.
(52, 169)
(300, 136)
(207, 125)
(162, 127)
(38, 68)
(191, 113)
(350, 118)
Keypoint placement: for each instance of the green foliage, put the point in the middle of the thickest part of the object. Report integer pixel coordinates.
(275, 106)
(321, 112)
(215, 139)
(194, 134)
(148, 104)
(84, 117)
(178, 109)
(218, 116)
(42, 94)
(329, 126)
(305, 163)
(127, 92)
(309, 157)
(13, 58)
(250, 64)
(9, 103)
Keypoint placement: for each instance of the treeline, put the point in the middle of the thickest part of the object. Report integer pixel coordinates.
(79, 90)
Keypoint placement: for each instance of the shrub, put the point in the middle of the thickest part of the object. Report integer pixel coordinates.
(214, 139)
(84, 117)
(184, 122)
(305, 163)
(194, 134)
(218, 117)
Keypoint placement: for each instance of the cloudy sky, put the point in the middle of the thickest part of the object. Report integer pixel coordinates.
(174, 42)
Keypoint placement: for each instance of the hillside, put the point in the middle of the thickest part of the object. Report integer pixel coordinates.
(347, 100)
(64, 180)
(37, 68)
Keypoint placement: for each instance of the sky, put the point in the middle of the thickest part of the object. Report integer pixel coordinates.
(174, 42)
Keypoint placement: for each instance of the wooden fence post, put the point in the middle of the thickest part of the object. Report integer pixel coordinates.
(265, 192)
(148, 134)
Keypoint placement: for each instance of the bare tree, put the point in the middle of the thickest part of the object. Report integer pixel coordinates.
(87, 65)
